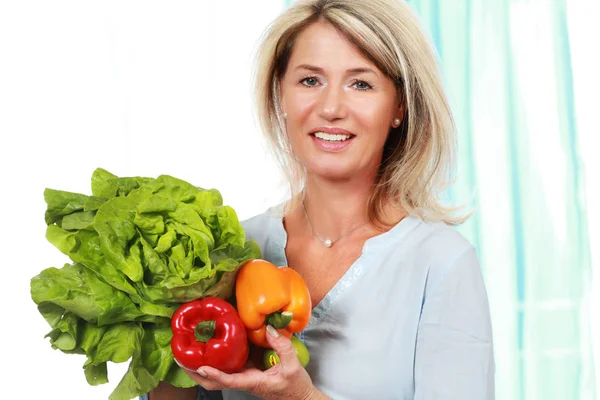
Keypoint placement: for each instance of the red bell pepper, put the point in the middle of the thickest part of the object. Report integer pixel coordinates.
(209, 332)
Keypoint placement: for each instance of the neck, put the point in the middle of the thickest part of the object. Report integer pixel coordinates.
(335, 209)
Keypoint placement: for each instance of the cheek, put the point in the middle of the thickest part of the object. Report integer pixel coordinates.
(299, 108)
(376, 120)
(300, 104)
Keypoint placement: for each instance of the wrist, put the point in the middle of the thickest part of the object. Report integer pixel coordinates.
(314, 394)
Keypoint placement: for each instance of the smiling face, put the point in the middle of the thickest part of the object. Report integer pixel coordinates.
(339, 105)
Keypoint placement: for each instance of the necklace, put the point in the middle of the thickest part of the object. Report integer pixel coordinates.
(327, 242)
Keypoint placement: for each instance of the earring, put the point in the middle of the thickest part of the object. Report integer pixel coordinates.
(396, 122)
(284, 115)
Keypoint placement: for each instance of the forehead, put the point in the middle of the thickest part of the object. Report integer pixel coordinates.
(321, 45)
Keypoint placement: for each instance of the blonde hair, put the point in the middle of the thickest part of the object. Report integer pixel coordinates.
(419, 156)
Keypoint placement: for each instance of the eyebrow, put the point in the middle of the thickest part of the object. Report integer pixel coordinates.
(357, 70)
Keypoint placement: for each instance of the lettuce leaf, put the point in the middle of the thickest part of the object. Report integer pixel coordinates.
(139, 247)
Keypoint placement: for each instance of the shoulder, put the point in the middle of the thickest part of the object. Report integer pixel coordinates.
(266, 229)
(439, 238)
(262, 222)
(444, 252)
(428, 241)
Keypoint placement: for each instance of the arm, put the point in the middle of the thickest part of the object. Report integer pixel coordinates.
(454, 352)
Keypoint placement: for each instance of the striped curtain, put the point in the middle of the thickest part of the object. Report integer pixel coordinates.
(508, 72)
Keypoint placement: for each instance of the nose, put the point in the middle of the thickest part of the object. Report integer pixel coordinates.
(332, 103)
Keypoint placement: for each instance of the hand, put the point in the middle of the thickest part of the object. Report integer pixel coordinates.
(286, 380)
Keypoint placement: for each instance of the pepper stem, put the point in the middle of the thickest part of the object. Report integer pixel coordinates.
(280, 319)
(204, 331)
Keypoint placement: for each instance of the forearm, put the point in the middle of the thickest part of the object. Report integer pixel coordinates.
(166, 391)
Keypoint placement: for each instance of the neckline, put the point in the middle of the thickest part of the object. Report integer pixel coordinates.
(357, 268)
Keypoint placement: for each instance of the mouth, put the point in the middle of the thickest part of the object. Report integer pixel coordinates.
(332, 134)
(332, 137)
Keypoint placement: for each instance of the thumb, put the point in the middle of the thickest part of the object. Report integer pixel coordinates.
(282, 346)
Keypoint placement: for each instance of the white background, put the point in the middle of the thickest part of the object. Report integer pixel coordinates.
(138, 88)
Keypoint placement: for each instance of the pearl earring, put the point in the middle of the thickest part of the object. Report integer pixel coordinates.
(396, 122)
(284, 115)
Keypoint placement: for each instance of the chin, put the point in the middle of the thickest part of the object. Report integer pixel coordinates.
(334, 172)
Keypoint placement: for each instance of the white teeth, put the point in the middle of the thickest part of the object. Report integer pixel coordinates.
(331, 137)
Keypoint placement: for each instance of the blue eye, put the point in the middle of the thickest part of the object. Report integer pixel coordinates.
(309, 81)
(362, 85)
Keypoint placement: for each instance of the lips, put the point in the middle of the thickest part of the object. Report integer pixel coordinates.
(332, 139)
(335, 137)
(332, 131)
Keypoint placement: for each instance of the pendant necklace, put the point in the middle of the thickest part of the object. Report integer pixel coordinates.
(327, 242)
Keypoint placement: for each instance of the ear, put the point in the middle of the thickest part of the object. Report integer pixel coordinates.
(401, 111)
(398, 115)
(401, 106)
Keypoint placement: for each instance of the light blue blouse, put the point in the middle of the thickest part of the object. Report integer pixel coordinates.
(409, 319)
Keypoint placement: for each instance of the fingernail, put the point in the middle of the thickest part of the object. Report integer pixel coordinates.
(272, 331)
(201, 373)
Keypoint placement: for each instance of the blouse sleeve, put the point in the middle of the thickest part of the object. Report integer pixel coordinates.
(454, 352)
(201, 394)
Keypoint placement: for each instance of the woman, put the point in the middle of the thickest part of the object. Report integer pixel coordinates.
(351, 99)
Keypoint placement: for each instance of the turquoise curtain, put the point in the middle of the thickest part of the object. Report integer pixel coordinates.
(507, 69)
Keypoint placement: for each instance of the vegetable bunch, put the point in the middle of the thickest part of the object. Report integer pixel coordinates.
(139, 248)
(212, 332)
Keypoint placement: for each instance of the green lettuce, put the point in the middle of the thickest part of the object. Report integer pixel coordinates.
(139, 247)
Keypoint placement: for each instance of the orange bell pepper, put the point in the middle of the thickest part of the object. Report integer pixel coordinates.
(267, 294)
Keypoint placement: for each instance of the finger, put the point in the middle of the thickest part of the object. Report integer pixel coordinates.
(205, 382)
(248, 379)
(282, 346)
(199, 378)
